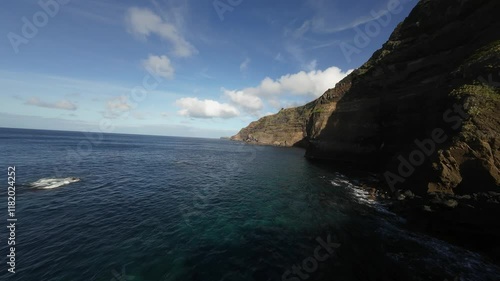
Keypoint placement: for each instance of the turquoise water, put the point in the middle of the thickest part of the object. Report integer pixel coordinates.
(163, 208)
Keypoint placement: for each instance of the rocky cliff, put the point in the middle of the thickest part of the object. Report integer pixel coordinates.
(286, 128)
(423, 111)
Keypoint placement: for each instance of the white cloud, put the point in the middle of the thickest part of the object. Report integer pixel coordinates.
(313, 83)
(115, 107)
(249, 103)
(193, 107)
(63, 104)
(159, 65)
(144, 22)
(284, 103)
(244, 64)
(274, 103)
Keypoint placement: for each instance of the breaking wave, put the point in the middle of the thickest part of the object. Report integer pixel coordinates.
(51, 183)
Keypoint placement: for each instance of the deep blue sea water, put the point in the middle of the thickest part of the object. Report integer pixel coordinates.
(165, 208)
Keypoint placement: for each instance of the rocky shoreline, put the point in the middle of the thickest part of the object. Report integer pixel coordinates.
(470, 221)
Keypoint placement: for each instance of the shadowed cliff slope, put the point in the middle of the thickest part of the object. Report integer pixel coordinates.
(423, 111)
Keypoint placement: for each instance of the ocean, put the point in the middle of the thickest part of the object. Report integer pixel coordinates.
(151, 208)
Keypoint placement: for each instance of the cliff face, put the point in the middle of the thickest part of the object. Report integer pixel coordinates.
(286, 128)
(292, 126)
(423, 111)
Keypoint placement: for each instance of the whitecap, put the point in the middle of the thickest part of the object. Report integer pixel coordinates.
(51, 183)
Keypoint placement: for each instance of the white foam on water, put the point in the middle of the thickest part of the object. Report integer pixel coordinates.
(360, 194)
(51, 183)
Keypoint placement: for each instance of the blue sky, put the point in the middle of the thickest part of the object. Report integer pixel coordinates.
(180, 68)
